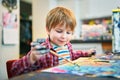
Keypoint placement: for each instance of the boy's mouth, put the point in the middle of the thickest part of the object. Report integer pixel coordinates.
(62, 41)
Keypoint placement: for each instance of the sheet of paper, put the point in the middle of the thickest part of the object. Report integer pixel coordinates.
(10, 36)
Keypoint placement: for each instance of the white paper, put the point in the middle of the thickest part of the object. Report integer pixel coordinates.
(10, 36)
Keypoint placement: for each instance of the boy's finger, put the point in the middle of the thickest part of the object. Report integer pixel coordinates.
(33, 44)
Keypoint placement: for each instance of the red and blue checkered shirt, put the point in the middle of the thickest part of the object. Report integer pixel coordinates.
(23, 65)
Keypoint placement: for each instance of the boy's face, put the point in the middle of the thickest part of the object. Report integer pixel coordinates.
(60, 35)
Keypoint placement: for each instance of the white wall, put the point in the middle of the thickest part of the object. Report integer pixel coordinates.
(7, 52)
(39, 12)
(97, 8)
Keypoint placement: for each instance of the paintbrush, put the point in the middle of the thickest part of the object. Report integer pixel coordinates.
(53, 52)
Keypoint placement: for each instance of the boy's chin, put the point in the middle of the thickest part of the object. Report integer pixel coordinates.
(61, 44)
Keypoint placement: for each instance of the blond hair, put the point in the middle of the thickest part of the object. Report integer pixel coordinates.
(60, 15)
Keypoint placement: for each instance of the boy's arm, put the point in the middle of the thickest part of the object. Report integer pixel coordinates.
(80, 53)
(87, 53)
(21, 65)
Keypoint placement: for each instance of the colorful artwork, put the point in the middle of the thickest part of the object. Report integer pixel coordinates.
(10, 20)
(89, 68)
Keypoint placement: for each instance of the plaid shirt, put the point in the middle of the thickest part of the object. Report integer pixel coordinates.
(23, 65)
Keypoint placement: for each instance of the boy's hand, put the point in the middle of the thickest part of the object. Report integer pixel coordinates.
(37, 47)
(91, 52)
(37, 50)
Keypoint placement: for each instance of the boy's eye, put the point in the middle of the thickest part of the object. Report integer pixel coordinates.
(59, 31)
(69, 32)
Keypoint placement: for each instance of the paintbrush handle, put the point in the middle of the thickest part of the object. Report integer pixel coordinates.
(61, 56)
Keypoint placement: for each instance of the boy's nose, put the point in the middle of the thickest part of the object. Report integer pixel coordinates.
(64, 35)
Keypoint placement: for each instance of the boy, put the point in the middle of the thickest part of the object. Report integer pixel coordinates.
(60, 25)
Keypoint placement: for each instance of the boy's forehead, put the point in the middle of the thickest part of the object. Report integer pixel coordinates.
(63, 27)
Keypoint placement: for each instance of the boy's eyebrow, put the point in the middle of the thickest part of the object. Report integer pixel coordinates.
(63, 29)
(58, 29)
(68, 29)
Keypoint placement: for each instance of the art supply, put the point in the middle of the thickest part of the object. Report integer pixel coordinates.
(75, 64)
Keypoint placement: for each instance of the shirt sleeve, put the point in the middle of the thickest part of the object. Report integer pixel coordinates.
(21, 65)
(78, 54)
(75, 54)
